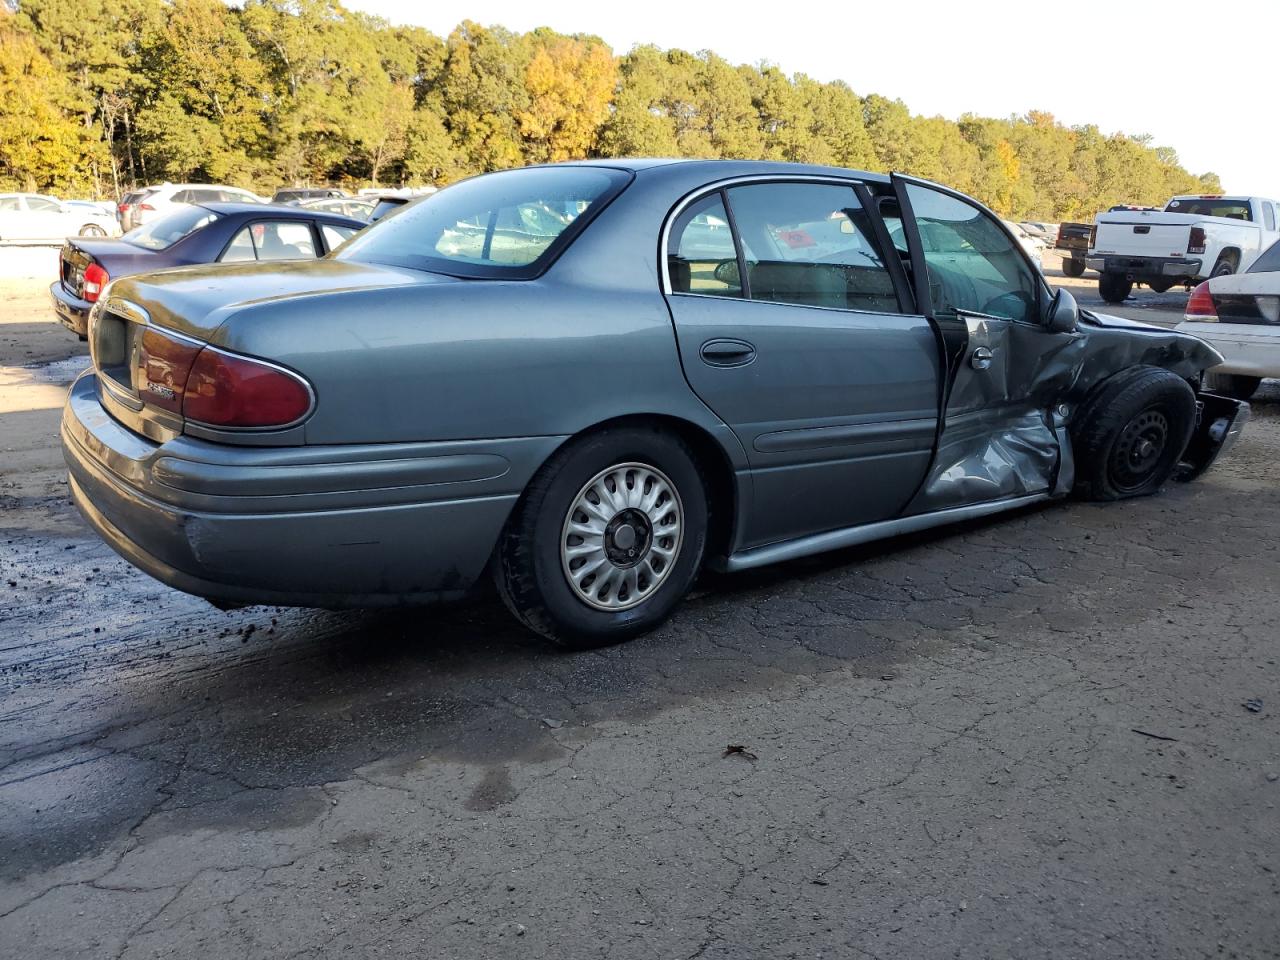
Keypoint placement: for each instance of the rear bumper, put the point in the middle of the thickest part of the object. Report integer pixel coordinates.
(1138, 268)
(1220, 423)
(364, 525)
(1248, 350)
(73, 313)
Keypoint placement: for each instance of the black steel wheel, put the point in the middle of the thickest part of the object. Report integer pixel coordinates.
(1130, 435)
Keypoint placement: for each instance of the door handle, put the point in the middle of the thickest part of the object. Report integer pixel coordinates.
(980, 359)
(727, 353)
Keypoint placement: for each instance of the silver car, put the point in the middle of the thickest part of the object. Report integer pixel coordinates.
(590, 380)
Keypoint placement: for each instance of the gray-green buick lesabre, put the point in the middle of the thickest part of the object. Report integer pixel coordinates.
(588, 381)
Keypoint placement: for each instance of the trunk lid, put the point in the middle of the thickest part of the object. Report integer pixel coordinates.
(147, 331)
(117, 257)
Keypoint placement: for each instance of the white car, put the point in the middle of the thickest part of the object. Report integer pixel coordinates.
(1193, 238)
(1032, 244)
(1240, 316)
(34, 216)
(143, 206)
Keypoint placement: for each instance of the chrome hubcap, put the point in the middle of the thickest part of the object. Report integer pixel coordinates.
(622, 536)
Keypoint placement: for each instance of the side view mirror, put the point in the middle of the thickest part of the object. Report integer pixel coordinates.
(1063, 315)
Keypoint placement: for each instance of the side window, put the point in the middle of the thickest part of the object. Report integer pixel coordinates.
(1269, 262)
(182, 196)
(701, 257)
(811, 244)
(973, 265)
(10, 205)
(271, 241)
(334, 235)
(1269, 216)
(43, 205)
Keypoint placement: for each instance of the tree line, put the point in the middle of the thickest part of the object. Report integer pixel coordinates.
(99, 95)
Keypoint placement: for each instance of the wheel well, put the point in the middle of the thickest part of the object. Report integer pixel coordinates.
(722, 497)
(1232, 254)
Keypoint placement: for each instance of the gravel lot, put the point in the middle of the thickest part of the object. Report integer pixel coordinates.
(1022, 738)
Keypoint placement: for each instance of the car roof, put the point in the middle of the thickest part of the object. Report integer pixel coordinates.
(280, 210)
(729, 167)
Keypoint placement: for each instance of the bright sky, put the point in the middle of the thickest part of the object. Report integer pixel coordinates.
(1197, 77)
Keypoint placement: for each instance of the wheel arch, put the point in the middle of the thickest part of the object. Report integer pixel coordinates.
(1230, 253)
(725, 494)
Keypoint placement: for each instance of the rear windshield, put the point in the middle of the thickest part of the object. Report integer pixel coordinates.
(501, 225)
(1235, 209)
(165, 231)
(1269, 262)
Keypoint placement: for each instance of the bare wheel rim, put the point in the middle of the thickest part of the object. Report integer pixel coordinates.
(622, 536)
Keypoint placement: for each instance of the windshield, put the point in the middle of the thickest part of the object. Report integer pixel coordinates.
(1205, 207)
(164, 232)
(500, 225)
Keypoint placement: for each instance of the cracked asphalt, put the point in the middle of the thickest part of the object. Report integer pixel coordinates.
(1019, 738)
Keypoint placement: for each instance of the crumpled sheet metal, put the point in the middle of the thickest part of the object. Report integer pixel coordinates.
(1005, 431)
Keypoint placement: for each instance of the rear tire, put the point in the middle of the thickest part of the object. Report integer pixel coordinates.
(92, 230)
(1225, 266)
(1233, 385)
(1129, 438)
(1114, 288)
(1161, 286)
(540, 556)
(1073, 268)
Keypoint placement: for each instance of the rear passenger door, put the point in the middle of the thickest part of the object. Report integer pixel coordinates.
(791, 329)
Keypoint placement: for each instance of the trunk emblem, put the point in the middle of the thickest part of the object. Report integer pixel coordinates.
(160, 390)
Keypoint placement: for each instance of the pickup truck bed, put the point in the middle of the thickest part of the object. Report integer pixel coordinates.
(1192, 239)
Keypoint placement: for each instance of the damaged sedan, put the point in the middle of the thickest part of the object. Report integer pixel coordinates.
(587, 381)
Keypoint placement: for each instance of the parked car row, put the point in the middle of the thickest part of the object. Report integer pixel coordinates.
(191, 233)
(591, 380)
(36, 217)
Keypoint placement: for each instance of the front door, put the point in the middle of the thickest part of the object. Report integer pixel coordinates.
(791, 329)
(1000, 435)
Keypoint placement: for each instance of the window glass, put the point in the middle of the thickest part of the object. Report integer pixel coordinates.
(240, 248)
(335, 235)
(272, 240)
(9, 204)
(1268, 262)
(1268, 215)
(507, 224)
(43, 204)
(973, 264)
(1211, 207)
(701, 257)
(810, 244)
(182, 196)
(167, 230)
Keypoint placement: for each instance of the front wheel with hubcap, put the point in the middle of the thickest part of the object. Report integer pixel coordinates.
(607, 538)
(92, 230)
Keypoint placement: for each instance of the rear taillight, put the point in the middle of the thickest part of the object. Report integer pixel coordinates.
(165, 362)
(1195, 242)
(146, 206)
(1059, 241)
(95, 278)
(226, 390)
(1093, 236)
(1200, 305)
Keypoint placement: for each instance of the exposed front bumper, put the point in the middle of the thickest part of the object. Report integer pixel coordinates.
(1220, 421)
(1137, 268)
(73, 313)
(354, 526)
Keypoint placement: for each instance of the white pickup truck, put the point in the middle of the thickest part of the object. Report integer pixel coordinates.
(1192, 239)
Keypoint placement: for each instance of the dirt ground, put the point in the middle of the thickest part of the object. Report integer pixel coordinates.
(1031, 737)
